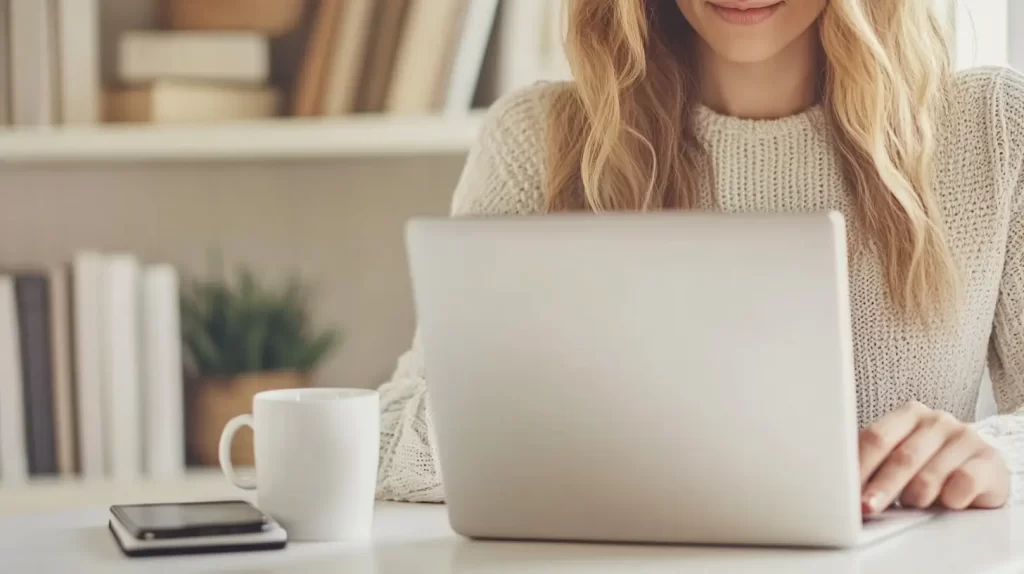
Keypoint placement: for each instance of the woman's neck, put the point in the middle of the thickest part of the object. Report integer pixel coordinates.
(781, 86)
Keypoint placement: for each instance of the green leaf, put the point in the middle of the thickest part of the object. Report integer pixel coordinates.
(205, 350)
(253, 351)
(233, 328)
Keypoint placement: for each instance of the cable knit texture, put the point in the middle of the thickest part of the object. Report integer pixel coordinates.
(790, 165)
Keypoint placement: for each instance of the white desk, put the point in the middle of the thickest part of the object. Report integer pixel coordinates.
(416, 538)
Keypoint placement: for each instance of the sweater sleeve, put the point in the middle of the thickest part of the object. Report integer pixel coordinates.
(1005, 431)
(503, 175)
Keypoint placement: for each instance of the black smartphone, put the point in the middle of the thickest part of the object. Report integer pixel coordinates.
(190, 519)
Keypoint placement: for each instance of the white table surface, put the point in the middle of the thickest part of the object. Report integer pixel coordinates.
(56, 528)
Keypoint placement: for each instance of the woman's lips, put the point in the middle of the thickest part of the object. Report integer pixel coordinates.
(745, 17)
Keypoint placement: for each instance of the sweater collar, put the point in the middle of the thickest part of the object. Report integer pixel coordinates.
(713, 124)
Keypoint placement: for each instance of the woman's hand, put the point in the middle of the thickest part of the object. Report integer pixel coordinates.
(924, 457)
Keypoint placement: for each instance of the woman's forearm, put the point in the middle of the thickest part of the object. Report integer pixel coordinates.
(409, 471)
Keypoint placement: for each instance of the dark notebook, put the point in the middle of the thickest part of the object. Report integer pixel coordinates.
(34, 331)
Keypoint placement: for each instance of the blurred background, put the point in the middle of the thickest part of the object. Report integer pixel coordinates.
(223, 184)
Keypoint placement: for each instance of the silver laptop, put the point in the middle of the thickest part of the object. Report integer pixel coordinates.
(663, 378)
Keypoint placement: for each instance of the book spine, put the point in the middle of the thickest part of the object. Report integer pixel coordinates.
(63, 382)
(389, 21)
(121, 356)
(468, 60)
(87, 292)
(420, 63)
(34, 333)
(350, 49)
(520, 45)
(31, 63)
(309, 86)
(162, 378)
(78, 42)
(13, 458)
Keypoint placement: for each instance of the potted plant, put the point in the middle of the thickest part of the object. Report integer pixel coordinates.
(242, 338)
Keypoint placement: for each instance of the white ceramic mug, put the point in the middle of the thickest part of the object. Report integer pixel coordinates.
(317, 452)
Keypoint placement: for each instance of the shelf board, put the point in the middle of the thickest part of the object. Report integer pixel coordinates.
(350, 137)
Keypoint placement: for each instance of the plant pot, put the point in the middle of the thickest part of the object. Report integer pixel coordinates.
(270, 17)
(215, 401)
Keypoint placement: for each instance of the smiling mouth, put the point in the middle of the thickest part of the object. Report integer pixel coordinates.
(742, 15)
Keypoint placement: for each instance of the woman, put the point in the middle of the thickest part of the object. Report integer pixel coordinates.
(798, 105)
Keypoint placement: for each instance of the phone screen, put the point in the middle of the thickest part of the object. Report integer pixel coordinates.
(150, 517)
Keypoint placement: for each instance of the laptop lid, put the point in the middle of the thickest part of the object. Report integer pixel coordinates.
(671, 377)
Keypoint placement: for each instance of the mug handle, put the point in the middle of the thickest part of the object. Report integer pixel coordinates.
(224, 452)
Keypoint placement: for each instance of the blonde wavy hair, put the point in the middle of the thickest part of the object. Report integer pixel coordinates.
(623, 138)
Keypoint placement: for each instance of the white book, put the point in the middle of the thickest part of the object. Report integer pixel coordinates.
(32, 63)
(13, 454)
(162, 380)
(146, 56)
(474, 35)
(87, 296)
(423, 56)
(520, 44)
(121, 353)
(78, 40)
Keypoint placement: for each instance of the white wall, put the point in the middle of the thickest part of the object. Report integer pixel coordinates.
(1015, 41)
(982, 34)
(339, 223)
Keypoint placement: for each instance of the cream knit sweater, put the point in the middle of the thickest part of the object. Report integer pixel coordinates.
(789, 165)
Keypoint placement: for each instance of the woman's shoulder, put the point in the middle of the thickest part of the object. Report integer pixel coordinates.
(505, 170)
(991, 97)
(988, 81)
(986, 119)
(527, 107)
(517, 122)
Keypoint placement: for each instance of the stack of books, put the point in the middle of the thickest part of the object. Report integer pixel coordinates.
(91, 377)
(192, 76)
(49, 62)
(394, 56)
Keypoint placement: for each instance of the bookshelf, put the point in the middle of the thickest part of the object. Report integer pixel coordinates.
(298, 147)
(370, 78)
(351, 137)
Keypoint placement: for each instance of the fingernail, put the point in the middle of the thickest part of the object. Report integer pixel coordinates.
(872, 503)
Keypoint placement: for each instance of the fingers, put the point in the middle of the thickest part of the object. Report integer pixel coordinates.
(968, 486)
(881, 437)
(924, 489)
(926, 457)
(904, 463)
(982, 482)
